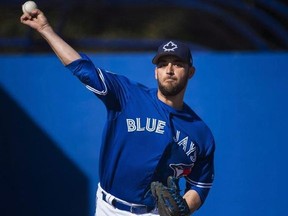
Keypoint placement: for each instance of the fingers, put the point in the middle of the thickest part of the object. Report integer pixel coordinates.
(36, 12)
(30, 16)
(36, 19)
(25, 17)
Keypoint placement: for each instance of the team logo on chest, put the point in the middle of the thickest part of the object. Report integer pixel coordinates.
(181, 170)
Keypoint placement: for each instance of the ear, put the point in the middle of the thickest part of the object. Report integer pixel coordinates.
(156, 74)
(191, 71)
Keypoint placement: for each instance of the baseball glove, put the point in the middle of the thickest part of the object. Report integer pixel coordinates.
(169, 201)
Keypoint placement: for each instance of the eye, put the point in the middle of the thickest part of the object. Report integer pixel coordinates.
(179, 64)
(161, 64)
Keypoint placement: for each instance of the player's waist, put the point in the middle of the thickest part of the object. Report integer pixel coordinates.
(122, 204)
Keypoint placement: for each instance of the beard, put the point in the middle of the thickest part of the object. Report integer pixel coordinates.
(171, 89)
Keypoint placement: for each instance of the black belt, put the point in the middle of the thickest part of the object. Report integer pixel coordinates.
(122, 206)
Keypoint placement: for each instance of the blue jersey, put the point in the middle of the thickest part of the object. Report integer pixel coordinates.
(144, 139)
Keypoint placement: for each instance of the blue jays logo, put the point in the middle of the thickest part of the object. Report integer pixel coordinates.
(170, 46)
(181, 170)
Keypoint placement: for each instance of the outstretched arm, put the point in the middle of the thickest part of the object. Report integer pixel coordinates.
(39, 22)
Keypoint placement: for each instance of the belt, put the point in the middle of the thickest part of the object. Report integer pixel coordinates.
(136, 209)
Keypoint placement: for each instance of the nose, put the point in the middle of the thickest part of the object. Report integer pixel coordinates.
(169, 69)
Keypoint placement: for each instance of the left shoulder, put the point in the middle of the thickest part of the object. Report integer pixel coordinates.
(202, 133)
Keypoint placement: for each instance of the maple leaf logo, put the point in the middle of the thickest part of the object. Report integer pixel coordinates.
(170, 46)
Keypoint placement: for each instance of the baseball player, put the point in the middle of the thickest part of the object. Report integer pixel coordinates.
(151, 135)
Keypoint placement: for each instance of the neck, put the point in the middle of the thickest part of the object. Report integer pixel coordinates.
(174, 101)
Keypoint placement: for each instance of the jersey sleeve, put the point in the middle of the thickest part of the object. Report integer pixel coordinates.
(111, 88)
(202, 175)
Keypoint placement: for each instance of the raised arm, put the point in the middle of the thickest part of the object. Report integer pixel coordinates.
(38, 21)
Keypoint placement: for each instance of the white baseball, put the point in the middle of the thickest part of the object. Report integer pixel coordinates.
(29, 6)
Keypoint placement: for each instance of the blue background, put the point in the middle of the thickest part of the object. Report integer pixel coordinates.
(51, 129)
